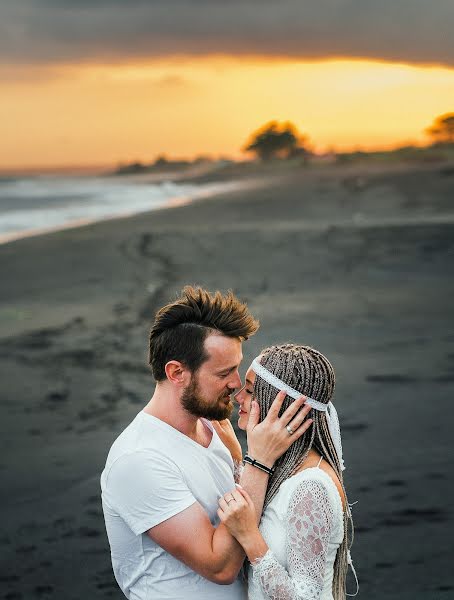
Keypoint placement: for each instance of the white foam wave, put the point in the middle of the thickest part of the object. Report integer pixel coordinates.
(34, 206)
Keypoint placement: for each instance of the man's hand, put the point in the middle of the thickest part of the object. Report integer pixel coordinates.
(225, 431)
(268, 440)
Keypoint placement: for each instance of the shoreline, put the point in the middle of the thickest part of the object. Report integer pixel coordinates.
(205, 191)
(232, 179)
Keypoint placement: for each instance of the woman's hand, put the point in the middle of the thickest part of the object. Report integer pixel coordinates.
(237, 512)
(228, 437)
(268, 440)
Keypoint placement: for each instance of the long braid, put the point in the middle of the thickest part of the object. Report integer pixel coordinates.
(308, 371)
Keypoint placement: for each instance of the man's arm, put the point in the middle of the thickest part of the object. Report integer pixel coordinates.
(211, 552)
(147, 490)
(189, 535)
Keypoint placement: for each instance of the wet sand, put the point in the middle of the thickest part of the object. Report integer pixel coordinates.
(357, 262)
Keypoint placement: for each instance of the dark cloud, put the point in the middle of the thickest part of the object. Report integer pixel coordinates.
(61, 30)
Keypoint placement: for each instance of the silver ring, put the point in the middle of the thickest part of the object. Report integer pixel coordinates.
(289, 429)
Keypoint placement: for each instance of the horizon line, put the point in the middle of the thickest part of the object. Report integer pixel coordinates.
(111, 166)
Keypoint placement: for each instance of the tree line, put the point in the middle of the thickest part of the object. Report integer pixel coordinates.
(279, 140)
(282, 140)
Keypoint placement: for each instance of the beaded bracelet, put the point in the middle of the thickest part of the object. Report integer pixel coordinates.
(251, 461)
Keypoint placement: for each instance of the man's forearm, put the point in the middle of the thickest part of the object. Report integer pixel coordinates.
(227, 556)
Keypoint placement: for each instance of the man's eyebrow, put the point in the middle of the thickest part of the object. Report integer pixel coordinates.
(228, 369)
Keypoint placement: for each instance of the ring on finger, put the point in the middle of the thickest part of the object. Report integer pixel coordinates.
(289, 429)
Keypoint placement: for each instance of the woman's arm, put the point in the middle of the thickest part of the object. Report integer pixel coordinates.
(309, 524)
(267, 441)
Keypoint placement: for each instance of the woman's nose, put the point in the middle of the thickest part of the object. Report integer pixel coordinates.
(239, 395)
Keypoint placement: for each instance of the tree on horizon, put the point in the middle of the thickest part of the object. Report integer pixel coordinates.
(442, 130)
(276, 140)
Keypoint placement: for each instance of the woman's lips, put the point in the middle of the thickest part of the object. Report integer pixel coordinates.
(242, 412)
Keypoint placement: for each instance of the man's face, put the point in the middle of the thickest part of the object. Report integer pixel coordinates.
(208, 393)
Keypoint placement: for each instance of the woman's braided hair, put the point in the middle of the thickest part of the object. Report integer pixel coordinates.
(311, 373)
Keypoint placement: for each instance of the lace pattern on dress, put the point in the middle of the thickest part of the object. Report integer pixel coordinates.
(309, 523)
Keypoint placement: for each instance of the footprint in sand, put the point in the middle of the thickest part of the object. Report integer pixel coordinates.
(391, 378)
(413, 516)
(57, 396)
(89, 532)
(395, 483)
(384, 565)
(43, 590)
(8, 578)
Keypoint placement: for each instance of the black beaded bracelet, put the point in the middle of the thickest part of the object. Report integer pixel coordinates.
(251, 461)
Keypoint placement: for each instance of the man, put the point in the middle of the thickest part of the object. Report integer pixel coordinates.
(167, 469)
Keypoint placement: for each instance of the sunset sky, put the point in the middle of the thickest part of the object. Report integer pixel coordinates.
(106, 81)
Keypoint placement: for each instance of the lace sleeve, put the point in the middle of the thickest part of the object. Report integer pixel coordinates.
(309, 523)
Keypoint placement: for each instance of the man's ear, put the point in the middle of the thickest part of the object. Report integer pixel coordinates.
(176, 372)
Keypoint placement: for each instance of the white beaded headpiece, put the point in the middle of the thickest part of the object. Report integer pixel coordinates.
(331, 413)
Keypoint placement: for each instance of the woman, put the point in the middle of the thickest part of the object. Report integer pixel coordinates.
(301, 550)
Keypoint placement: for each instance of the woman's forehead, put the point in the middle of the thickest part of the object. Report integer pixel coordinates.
(250, 374)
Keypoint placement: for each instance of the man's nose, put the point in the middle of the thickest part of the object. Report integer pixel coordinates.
(236, 382)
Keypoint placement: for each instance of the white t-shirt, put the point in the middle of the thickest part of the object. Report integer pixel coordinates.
(152, 473)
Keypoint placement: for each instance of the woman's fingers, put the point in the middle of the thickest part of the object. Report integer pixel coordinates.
(295, 420)
(243, 492)
(221, 515)
(268, 440)
(273, 412)
(254, 416)
(246, 496)
(232, 499)
(293, 409)
(223, 505)
(297, 433)
(218, 425)
(233, 496)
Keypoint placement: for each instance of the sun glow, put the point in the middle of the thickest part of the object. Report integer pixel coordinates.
(98, 114)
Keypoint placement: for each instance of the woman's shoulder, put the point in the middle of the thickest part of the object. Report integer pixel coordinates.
(318, 480)
(312, 496)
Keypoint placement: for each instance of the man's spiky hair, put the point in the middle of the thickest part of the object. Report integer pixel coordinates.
(180, 328)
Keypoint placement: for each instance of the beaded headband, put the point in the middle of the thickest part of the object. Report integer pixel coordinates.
(331, 413)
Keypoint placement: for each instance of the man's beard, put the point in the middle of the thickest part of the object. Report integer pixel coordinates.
(193, 403)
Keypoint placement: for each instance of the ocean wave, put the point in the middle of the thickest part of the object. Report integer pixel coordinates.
(36, 205)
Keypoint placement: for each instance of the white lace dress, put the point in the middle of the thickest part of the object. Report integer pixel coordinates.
(303, 527)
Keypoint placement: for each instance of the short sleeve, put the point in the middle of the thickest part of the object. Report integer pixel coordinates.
(145, 489)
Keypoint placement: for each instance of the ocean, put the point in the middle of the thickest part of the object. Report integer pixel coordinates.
(40, 204)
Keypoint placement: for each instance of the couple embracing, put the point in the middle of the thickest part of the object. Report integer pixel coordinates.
(187, 517)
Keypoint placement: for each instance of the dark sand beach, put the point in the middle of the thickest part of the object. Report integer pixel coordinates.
(354, 260)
